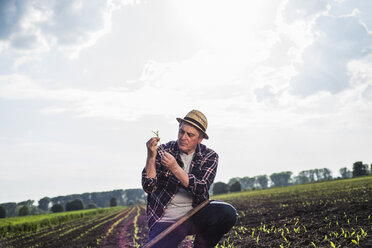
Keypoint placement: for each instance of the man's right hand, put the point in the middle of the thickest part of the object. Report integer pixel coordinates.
(152, 146)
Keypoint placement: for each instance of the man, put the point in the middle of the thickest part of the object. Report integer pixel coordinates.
(177, 178)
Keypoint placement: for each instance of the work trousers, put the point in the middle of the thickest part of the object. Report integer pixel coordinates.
(209, 225)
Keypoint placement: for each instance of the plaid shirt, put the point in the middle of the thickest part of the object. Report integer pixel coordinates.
(164, 186)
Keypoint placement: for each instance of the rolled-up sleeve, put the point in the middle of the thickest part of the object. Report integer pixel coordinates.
(199, 183)
(149, 184)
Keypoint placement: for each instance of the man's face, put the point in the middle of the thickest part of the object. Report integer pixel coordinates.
(188, 138)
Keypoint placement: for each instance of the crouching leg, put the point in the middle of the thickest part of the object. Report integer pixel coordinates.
(212, 222)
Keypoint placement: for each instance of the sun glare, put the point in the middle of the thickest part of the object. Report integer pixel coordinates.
(221, 23)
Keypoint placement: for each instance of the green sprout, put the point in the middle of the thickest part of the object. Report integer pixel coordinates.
(157, 135)
(332, 244)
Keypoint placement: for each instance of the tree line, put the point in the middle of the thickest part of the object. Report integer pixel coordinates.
(138, 196)
(285, 178)
(74, 202)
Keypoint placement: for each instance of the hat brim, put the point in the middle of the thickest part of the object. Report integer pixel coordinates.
(193, 124)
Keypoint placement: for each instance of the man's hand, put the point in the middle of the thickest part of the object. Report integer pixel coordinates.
(169, 162)
(152, 146)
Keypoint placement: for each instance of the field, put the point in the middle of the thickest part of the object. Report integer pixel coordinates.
(326, 214)
(112, 227)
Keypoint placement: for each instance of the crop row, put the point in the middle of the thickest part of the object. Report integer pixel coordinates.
(62, 230)
(75, 233)
(20, 225)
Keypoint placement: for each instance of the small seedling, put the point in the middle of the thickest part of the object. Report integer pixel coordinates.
(157, 135)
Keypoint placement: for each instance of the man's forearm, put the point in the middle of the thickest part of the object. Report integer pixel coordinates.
(150, 167)
(181, 175)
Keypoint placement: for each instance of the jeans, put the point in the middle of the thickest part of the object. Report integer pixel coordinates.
(209, 225)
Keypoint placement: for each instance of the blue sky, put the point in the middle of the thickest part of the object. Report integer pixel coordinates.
(285, 85)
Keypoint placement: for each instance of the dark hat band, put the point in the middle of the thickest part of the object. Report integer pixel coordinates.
(195, 122)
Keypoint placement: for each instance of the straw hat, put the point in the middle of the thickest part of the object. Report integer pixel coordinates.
(197, 119)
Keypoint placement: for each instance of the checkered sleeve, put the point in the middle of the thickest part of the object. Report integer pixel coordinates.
(200, 182)
(148, 183)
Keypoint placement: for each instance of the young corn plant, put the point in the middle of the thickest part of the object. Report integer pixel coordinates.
(332, 244)
(356, 241)
(160, 145)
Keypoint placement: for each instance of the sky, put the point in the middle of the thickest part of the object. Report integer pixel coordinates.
(285, 85)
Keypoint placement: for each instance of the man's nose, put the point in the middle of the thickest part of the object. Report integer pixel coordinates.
(183, 136)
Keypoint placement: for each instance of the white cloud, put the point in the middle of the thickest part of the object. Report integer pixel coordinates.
(270, 105)
(238, 80)
(336, 40)
(360, 71)
(34, 27)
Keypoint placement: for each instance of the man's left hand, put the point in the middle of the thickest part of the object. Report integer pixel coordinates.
(169, 161)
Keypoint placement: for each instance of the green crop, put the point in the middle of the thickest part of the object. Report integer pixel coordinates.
(17, 225)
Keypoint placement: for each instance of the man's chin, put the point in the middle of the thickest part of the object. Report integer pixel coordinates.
(182, 148)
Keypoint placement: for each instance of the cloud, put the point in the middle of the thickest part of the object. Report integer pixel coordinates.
(367, 93)
(11, 13)
(302, 9)
(265, 106)
(360, 73)
(241, 81)
(336, 41)
(37, 27)
(346, 7)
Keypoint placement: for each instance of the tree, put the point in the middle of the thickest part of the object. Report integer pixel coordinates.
(247, 182)
(113, 202)
(312, 174)
(134, 195)
(263, 181)
(24, 210)
(303, 177)
(345, 173)
(2, 212)
(236, 187)
(11, 209)
(360, 169)
(44, 203)
(91, 206)
(220, 188)
(28, 203)
(324, 174)
(233, 180)
(57, 208)
(281, 179)
(76, 204)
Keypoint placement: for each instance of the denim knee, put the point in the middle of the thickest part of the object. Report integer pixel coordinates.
(220, 216)
(229, 215)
